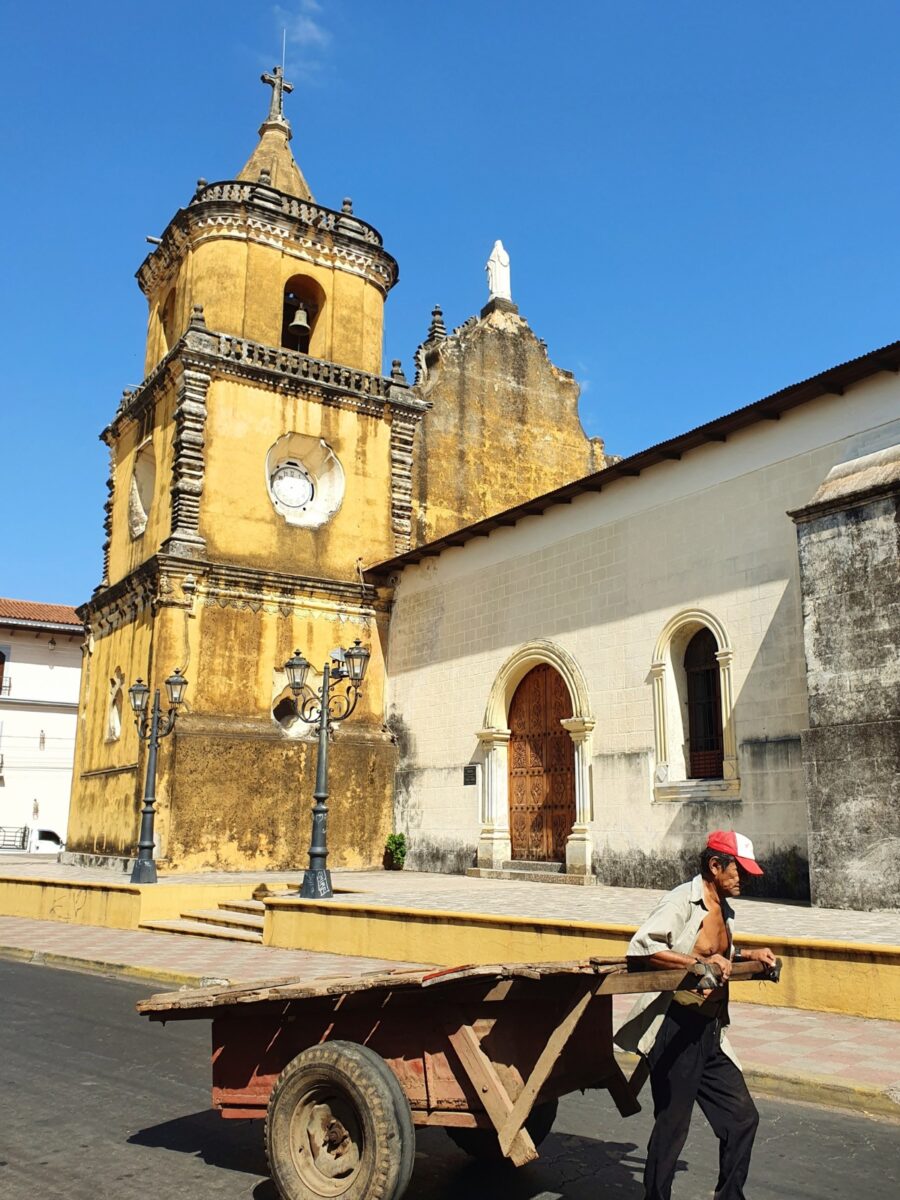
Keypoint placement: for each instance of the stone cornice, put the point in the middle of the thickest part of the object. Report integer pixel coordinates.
(285, 371)
(259, 212)
(170, 581)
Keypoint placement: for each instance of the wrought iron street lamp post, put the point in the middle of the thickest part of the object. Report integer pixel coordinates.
(329, 705)
(152, 732)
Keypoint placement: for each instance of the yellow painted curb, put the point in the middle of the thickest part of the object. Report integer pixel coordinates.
(96, 966)
(855, 979)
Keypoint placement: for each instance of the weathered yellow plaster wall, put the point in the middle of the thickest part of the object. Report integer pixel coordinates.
(237, 517)
(107, 779)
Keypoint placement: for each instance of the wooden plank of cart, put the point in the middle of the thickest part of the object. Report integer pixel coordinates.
(343, 1069)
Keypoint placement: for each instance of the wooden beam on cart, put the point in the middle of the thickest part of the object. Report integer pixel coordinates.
(487, 1083)
(556, 1043)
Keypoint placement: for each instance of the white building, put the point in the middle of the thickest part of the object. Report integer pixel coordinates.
(598, 677)
(40, 668)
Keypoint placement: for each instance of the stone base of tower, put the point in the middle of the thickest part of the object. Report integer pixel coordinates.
(237, 795)
(241, 798)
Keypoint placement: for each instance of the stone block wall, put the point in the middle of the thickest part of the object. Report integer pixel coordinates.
(849, 545)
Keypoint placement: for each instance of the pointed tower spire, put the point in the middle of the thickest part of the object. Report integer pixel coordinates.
(273, 154)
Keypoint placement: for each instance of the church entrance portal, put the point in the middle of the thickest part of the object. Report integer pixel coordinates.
(541, 767)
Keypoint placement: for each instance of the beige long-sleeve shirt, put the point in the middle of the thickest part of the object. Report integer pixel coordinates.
(673, 925)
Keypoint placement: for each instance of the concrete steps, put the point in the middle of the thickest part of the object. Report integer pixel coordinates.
(205, 929)
(231, 920)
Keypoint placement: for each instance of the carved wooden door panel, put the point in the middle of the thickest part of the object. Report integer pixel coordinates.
(541, 768)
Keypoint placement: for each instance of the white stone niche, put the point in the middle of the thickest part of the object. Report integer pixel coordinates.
(143, 485)
(318, 488)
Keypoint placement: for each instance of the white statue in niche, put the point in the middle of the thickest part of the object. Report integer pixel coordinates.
(497, 267)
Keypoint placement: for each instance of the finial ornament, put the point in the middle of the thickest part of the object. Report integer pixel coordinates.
(497, 267)
(279, 86)
(437, 329)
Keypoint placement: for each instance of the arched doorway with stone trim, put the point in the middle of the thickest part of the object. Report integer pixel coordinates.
(533, 776)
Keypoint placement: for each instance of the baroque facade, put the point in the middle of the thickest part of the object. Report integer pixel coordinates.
(262, 464)
(579, 664)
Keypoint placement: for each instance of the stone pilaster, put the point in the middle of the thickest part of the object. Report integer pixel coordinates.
(726, 698)
(494, 846)
(188, 467)
(579, 844)
(660, 722)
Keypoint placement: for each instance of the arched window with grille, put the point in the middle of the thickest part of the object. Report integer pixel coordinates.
(704, 705)
(695, 739)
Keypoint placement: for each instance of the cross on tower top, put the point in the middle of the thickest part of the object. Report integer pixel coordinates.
(279, 86)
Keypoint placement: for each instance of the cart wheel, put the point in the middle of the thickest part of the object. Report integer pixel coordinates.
(338, 1127)
(483, 1143)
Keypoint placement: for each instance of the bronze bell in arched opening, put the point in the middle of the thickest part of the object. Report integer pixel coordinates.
(299, 325)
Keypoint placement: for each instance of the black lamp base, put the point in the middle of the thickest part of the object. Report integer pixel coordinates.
(316, 885)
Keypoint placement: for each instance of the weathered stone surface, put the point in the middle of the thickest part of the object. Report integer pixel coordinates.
(849, 546)
(502, 425)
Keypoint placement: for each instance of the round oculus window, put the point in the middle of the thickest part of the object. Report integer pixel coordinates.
(292, 485)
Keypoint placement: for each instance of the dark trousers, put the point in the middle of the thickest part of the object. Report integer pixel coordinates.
(687, 1064)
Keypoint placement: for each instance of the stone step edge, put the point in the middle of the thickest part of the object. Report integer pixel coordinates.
(245, 906)
(203, 929)
(531, 876)
(525, 864)
(215, 916)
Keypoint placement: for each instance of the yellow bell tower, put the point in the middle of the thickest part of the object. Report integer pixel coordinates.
(261, 462)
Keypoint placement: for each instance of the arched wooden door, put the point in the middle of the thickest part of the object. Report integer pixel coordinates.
(541, 768)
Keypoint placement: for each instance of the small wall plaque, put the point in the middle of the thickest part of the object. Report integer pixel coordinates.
(469, 775)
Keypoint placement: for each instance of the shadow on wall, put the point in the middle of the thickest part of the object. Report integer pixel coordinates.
(450, 856)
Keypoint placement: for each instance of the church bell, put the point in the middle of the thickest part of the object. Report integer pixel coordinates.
(300, 323)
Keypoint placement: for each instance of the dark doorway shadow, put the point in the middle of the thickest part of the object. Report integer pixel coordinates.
(231, 1145)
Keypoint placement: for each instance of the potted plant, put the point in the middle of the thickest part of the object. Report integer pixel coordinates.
(395, 852)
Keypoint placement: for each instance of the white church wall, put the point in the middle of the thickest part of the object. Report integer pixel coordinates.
(601, 578)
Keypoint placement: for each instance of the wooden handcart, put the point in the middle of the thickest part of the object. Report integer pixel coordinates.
(343, 1069)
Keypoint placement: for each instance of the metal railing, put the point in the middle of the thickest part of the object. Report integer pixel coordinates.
(13, 837)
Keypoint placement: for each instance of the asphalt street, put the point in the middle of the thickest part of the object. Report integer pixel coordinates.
(98, 1104)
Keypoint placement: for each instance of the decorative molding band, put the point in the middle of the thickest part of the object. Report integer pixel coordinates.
(257, 206)
(287, 371)
(102, 772)
(180, 581)
(188, 467)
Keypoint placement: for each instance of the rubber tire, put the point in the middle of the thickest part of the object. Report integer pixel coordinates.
(363, 1080)
(484, 1143)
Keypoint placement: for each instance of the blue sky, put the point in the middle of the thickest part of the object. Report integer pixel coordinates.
(700, 200)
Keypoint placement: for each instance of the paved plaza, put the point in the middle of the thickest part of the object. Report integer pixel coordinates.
(459, 893)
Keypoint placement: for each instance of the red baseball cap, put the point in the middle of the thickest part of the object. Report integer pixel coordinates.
(737, 846)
